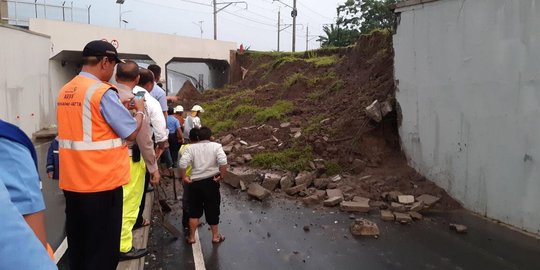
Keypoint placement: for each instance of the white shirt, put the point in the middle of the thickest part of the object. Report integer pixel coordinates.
(157, 119)
(190, 123)
(205, 158)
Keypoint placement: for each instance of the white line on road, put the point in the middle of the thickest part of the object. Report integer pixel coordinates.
(197, 253)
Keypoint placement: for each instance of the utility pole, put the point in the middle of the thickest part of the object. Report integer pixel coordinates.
(307, 37)
(89, 13)
(293, 14)
(199, 24)
(63, 11)
(278, 27)
(120, 3)
(216, 10)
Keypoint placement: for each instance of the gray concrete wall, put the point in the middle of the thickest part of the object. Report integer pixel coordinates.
(25, 99)
(468, 75)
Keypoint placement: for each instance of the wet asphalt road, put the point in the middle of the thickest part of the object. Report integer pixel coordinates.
(270, 235)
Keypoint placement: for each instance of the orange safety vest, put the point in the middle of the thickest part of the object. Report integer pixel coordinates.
(92, 156)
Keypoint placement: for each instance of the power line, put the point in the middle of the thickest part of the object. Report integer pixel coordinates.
(313, 11)
(173, 7)
(248, 19)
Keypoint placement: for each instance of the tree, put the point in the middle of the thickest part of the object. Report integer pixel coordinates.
(367, 15)
(355, 17)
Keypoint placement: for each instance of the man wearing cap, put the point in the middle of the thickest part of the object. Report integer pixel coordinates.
(192, 120)
(179, 114)
(92, 128)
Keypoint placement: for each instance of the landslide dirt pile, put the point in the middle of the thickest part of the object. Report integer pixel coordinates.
(305, 113)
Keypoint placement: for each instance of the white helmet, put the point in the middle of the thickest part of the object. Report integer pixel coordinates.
(197, 108)
(178, 108)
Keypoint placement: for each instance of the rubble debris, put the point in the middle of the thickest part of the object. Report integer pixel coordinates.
(257, 191)
(312, 200)
(403, 218)
(305, 177)
(244, 143)
(416, 206)
(392, 196)
(406, 199)
(306, 228)
(295, 190)
(228, 149)
(242, 186)
(334, 193)
(227, 139)
(336, 178)
(271, 181)
(386, 107)
(232, 179)
(333, 201)
(285, 125)
(416, 215)
(358, 166)
(247, 157)
(373, 111)
(364, 227)
(351, 206)
(332, 186)
(321, 183)
(387, 215)
(295, 130)
(398, 207)
(361, 199)
(458, 228)
(286, 181)
(297, 135)
(427, 199)
(378, 204)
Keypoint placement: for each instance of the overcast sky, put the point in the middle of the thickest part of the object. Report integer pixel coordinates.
(255, 27)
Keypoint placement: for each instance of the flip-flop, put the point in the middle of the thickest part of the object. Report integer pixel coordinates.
(145, 223)
(219, 240)
(190, 242)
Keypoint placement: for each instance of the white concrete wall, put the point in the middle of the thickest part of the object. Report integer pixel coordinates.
(25, 98)
(468, 76)
(160, 47)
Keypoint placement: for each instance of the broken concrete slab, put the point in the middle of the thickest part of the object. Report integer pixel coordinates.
(321, 183)
(232, 179)
(458, 228)
(427, 199)
(378, 204)
(227, 139)
(364, 227)
(228, 149)
(416, 206)
(257, 191)
(385, 107)
(392, 196)
(305, 177)
(336, 178)
(239, 160)
(286, 182)
(373, 111)
(387, 215)
(295, 130)
(247, 157)
(361, 200)
(271, 181)
(403, 218)
(416, 215)
(350, 206)
(332, 186)
(242, 186)
(398, 207)
(295, 190)
(285, 125)
(311, 200)
(405, 199)
(242, 142)
(332, 201)
(334, 193)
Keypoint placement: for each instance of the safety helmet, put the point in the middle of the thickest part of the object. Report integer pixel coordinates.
(197, 108)
(178, 108)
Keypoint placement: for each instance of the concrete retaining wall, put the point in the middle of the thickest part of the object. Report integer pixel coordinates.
(25, 98)
(468, 75)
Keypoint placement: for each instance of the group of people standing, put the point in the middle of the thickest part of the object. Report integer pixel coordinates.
(110, 138)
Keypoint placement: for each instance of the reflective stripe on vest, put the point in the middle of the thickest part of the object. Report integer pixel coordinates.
(98, 145)
(87, 143)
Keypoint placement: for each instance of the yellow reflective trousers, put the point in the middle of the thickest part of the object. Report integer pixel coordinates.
(133, 192)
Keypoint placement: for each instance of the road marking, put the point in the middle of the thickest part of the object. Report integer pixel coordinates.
(197, 253)
(60, 251)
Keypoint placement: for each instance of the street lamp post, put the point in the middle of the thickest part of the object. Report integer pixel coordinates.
(120, 3)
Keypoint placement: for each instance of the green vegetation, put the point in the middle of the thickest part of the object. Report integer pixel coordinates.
(324, 61)
(291, 80)
(223, 126)
(244, 109)
(337, 86)
(328, 76)
(277, 111)
(332, 168)
(284, 60)
(314, 124)
(316, 95)
(293, 159)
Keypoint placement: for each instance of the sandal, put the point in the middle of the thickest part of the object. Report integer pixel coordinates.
(219, 240)
(145, 223)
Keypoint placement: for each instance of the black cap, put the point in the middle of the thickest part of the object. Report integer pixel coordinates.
(101, 48)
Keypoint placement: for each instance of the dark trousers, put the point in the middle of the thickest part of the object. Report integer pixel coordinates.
(174, 147)
(140, 219)
(185, 206)
(203, 195)
(93, 225)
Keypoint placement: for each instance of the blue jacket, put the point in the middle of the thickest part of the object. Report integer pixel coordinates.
(52, 159)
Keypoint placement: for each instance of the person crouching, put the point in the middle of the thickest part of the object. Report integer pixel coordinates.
(209, 166)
